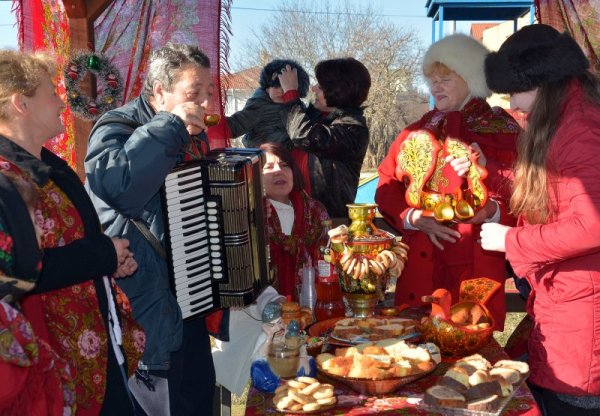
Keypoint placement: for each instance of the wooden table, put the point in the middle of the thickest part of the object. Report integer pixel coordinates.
(404, 401)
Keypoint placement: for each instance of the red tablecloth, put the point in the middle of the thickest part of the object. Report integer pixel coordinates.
(404, 401)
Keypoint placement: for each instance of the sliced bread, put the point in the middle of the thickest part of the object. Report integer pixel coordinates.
(444, 396)
(520, 366)
(486, 404)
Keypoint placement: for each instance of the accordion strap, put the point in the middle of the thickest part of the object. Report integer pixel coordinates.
(142, 228)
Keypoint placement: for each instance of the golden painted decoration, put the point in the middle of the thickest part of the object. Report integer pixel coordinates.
(417, 160)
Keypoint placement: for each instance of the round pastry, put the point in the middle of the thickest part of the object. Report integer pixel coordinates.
(338, 234)
(290, 307)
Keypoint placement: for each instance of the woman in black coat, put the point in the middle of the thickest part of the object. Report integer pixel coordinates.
(332, 131)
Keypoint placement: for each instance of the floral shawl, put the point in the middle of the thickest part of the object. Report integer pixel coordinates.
(288, 251)
(70, 318)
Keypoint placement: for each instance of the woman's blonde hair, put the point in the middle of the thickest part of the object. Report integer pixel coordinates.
(439, 69)
(21, 73)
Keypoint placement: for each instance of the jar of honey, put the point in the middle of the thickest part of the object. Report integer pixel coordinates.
(290, 311)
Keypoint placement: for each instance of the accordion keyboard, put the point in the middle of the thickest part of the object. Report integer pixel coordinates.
(195, 240)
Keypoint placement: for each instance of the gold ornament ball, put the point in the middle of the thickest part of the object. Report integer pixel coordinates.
(108, 100)
(73, 94)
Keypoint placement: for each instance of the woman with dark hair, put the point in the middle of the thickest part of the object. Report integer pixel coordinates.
(294, 223)
(556, 194)
(332, 131)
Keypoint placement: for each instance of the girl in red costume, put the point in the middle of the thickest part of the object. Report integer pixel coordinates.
(443, 255)
(294, 223)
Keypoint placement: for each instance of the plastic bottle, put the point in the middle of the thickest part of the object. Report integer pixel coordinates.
(308, 294)
(330, 302)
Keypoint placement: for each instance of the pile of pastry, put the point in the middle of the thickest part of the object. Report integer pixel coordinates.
(378, 361)
(373, 329)
(475, 384)
(303, 394)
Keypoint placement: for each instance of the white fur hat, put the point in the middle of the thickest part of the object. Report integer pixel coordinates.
(465, 56)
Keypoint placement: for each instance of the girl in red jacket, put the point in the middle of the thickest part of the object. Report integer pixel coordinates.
(556, 194)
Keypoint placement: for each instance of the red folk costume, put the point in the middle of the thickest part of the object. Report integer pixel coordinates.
(36, 381)
(288, 251)
(429, 268)
(69, 319)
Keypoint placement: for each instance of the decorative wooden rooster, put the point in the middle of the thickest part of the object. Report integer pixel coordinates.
(440, 300)
(466, 326)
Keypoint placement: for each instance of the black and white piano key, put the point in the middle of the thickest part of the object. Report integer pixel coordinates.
(183, 177)
(194, 292)
(177, 210)
(199, 258)
(189, 233)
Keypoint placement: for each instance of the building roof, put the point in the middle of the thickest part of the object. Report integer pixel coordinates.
(246, 79)
(477, 30)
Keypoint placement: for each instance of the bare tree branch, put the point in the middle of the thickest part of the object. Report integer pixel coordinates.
(309, 32)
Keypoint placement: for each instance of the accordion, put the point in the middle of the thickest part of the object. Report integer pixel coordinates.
(215, 221)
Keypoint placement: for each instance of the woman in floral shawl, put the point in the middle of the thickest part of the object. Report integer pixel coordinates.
(294, 223)
(71, 308)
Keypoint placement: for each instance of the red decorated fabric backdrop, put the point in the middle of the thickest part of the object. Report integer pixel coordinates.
(579, 18)
(43, 26)
(126, 33)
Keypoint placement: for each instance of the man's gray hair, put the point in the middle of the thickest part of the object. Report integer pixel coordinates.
(166, 62)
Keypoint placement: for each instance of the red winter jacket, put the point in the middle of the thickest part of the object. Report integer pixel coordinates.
(429, 268)
(561, 259)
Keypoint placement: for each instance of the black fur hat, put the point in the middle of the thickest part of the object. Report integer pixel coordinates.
(534, 56)
(268, 75)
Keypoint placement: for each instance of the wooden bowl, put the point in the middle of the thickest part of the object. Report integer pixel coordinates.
(456, 340)
(376, 387)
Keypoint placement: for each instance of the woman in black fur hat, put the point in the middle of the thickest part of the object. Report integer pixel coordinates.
(260, 120)
(556, 194)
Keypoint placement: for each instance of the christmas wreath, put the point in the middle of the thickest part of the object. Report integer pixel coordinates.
(108, 80)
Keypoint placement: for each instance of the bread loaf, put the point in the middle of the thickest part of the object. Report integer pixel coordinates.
(443, 396)
(486, 404)
(510, 375)
(389, 331)
(453, 384)
(506, 387)
(345, 352)
(324, 357)
(481, 385)
(477, 361)
(468, 367)
(482, 390)
(520, 366)
(459, 374)
(478, 376)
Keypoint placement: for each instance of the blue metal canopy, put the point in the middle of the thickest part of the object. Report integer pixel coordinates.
(478, 10)
(481, 10)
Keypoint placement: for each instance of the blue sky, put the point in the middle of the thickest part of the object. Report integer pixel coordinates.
(8, 32)
(248, 14)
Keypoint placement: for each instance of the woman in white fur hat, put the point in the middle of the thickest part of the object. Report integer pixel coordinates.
(443, 255)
